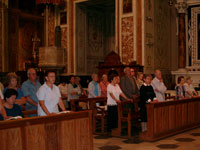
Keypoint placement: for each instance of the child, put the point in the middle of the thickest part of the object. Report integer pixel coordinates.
(146, 95)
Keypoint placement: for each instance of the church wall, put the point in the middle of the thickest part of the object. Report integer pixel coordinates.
(1, 38)
(131, 31)
(13, 33)
(161, 45)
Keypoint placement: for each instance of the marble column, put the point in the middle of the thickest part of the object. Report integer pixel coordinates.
(181, 8)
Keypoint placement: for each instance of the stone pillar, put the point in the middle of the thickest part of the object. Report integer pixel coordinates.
(181, 8)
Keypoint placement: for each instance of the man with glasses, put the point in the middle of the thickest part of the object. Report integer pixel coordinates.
(29, 88)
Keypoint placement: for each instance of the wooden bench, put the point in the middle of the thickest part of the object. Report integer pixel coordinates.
(171, 117)
(29, 112)
(71, 131)
(75, 103)
(99, 112)
(126, 115)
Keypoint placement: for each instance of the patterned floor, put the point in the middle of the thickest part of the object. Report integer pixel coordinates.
(186, 141)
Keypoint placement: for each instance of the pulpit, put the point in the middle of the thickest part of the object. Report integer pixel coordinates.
(51, 57)
(112, 62)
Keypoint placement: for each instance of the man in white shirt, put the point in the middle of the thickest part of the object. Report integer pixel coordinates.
(49, 96)
(158, 86)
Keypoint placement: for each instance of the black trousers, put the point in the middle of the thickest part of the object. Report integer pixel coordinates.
(112, 119)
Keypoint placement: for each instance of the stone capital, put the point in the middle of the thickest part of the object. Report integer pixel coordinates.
(181, 7)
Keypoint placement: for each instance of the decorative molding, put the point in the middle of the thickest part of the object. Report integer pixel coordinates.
(181, 7)
(127, 40)
(194, 35)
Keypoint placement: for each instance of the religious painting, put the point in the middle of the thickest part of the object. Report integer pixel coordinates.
(63, 17)
(127, 6)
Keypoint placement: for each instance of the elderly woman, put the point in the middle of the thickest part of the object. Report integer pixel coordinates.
(190, 91)
(12, 84)
(103, 85)
(11, 109)
(140, 79)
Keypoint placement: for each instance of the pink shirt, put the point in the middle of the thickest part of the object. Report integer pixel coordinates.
(103, 86)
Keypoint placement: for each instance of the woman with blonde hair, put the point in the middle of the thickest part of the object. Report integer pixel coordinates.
(13, 84)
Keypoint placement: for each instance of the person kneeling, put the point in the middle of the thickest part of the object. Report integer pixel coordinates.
(49, 96)
(146, 95)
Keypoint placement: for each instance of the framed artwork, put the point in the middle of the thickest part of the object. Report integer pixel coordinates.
(63, 17)
(127, 6)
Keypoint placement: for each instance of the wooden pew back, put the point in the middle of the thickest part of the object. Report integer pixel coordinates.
(171, 117)
(57, 132)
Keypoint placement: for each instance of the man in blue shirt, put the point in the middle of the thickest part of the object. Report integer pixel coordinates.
(29, 88)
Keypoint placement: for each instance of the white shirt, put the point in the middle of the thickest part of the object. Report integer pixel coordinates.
(116, 91)
(50, 97)
(63, 89)
(189, 88)
(160, 94)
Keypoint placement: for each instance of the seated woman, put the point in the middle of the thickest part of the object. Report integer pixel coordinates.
(11, 109)
(49, 96)
(12, 84)
(146, 95)
(113, 97)
(190, 91)
(180, 89)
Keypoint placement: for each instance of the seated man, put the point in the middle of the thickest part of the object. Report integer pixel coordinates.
(49, 96)
(12, 109)
(159, 86)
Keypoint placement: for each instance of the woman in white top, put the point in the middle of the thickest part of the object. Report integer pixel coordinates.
(190, 91)
(49, 96)
(113, 97)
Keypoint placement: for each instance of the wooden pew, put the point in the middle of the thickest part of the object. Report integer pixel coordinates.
(29, 112)
(126, 115)
(171, 117)
(75, 103)
(71, 131)
(99, 112)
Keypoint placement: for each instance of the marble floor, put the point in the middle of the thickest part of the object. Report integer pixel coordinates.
(189, 140)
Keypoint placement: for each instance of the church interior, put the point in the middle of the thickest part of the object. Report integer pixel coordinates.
(83, 38)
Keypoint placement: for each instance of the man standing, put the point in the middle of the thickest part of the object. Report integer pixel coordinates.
(49, 96)
(158, 86)
(128, 84)
(29, 88)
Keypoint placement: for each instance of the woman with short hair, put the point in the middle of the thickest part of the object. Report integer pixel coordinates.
(13, 84)
(11, 109)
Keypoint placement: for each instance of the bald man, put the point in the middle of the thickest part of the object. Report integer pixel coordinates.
(159, 86)
(29, 88)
